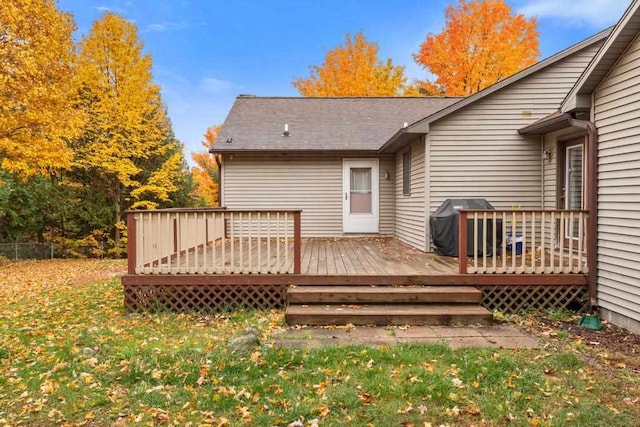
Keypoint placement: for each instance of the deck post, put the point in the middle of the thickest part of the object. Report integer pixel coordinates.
(131, 243)
(297, 243)
(462, 242)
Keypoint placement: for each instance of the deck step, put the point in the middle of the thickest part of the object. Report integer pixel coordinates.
(383, 294)
(386, 314)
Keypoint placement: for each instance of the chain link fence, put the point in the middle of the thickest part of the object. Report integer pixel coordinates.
(62, 249)
(17, 250)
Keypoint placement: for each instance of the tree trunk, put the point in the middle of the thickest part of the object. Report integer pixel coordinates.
(116, 236)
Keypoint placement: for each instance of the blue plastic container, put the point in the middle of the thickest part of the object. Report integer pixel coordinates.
(517, 241)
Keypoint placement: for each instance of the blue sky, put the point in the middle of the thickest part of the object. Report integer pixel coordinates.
(206, 52)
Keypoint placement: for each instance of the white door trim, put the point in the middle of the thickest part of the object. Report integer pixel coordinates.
(361, 223)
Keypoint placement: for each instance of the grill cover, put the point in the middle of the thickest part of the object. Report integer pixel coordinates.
(444, 227)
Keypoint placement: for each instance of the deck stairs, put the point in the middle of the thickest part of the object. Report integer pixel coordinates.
(385, 305)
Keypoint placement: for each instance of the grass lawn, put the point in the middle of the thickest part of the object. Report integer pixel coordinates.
(70, 356)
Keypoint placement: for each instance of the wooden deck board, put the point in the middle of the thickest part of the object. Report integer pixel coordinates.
(324, 257)
(319, 256)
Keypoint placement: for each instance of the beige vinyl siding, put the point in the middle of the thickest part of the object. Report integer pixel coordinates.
(550, 174)
(617, 116)
(387, 208)
(478, 153)
(312, 184)
(409, 209)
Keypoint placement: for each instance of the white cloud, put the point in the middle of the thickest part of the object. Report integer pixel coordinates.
(594, 13)
(173, 26)
(215, 86)
(104, 9)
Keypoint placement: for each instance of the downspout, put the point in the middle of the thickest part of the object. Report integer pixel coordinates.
(592, 202)
(542, 171)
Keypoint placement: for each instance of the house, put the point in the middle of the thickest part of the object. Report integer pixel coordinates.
(598, 123)
(306, 181)
(319, 155)
(421, 151)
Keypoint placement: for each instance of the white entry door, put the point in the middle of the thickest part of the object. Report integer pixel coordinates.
(360, 201)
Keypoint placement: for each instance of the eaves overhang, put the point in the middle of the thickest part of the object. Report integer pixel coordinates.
(548, 124)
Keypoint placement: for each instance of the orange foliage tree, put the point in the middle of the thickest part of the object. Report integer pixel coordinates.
(354, 70)
(483, 42)
(205, 173)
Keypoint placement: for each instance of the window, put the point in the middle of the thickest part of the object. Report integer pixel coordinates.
(406, 173)
(573, 185)
(361, 190)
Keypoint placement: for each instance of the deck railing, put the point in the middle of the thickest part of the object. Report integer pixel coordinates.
(214, 241)
(522, 241)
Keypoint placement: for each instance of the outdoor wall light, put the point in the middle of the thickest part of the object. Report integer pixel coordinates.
(548, 154)
(385, 174)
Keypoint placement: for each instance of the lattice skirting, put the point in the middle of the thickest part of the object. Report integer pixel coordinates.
(514, 299)
(212, 298)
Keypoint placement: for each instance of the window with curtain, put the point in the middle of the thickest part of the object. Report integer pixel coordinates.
(361, 190)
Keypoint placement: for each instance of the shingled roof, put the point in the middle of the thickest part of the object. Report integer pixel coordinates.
(320, 124)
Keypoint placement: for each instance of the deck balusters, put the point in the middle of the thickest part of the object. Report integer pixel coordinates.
(286, 242)
(580, 240)
(543, 233)
(494, 252)
(559, 249)
(560, 238)
(259, 239)
(213, 241)
(475, 241)
(523, 258)
(504, 242)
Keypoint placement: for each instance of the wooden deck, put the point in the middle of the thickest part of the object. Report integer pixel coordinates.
(371, 256)
(379, 256)
(355, 256)
(356, 262)
(216, 259)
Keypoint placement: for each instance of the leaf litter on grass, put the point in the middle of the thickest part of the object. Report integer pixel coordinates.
(69, 355)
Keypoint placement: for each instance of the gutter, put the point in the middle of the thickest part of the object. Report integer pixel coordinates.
(592, 202)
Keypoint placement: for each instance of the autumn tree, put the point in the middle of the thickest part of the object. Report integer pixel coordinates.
(353, 69)
(206, 174)
(126, 149)
(482, 43)
(37, 58)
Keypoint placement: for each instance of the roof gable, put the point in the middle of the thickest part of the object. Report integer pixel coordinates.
(320, 124)
(622, 34)
(422, 126)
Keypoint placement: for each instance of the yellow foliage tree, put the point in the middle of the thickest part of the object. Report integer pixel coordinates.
(37, 58)
(163, 181)
(205, 173)
(354, 70)
(483, 42)
(127, 142)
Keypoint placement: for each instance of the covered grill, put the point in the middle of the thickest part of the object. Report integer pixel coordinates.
(444, 225)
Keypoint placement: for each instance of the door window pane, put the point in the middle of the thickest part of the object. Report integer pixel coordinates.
(574, 177)
(574, 182)
(360, 190)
